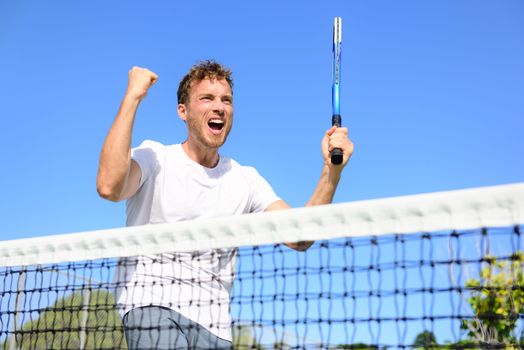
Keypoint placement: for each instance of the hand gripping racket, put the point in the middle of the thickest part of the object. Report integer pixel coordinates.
(336, 120)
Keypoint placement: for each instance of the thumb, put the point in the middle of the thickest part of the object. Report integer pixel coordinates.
(154, 78)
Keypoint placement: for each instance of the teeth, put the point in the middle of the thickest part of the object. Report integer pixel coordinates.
(216, 121)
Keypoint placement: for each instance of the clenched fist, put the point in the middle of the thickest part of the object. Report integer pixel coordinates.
(139, 82)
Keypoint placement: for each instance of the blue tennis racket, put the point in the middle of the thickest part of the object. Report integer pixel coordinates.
(336, 120)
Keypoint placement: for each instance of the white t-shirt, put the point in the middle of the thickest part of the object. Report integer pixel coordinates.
(175, 188)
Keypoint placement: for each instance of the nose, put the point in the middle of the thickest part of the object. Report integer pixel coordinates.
(218, 107)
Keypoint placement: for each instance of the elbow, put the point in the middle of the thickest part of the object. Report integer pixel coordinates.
(107, 192)
(300, 246)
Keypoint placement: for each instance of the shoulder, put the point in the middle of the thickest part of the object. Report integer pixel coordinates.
(149, 155)
(151, 148)
(150, 144)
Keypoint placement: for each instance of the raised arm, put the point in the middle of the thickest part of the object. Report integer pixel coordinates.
(118, 176)
(329, 178)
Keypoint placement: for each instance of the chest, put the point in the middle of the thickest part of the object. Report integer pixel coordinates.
(183, 194)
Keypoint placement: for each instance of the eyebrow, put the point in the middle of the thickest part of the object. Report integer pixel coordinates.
(228, 96)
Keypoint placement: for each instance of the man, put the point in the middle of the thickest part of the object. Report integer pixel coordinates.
(181, 300)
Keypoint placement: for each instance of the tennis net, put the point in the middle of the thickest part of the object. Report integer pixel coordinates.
(439, 270)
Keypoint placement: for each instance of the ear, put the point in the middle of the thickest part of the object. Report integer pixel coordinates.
(182, 111)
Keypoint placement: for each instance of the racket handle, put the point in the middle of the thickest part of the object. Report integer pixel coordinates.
(336, 154)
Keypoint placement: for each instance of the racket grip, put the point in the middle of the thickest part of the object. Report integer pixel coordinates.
(336, 154)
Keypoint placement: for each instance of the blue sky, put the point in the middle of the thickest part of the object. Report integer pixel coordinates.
(432, 94)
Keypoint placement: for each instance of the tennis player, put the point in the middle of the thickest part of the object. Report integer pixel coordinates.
(181, 300)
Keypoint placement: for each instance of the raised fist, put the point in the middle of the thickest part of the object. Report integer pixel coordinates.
(139, 82)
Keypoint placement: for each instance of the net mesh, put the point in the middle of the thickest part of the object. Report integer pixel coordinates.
(448, 288)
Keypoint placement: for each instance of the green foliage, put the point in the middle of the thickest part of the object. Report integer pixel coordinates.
(460, 345)
(425, 340)
(280, 345)
(244, 338)
(359, 346)
(59, 326)
(497, 299)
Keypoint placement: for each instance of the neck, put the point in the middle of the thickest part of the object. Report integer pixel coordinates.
(205, 157)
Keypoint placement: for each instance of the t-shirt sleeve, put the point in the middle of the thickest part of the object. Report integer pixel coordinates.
(261, 192)
(147, 157)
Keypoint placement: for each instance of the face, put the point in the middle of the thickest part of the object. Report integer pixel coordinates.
(208, 112)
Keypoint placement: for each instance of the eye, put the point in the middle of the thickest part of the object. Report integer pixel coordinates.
(227, 100)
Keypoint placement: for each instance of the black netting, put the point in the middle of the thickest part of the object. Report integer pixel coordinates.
(439, 290)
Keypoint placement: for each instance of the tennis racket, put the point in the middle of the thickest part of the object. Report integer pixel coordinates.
(336, 120)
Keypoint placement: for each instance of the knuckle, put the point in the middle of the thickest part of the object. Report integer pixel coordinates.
(342, 131)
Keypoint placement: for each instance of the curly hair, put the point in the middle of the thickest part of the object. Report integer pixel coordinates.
(200, 71)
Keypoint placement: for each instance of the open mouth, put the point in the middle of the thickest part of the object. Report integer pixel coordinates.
(216, 124)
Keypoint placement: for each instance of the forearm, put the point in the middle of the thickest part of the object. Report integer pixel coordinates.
(330, 177)
(326, 186)
(323, 194)
(115, 158)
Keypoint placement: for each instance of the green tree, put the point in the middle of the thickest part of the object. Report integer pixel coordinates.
(60, 325)
(497, 299)
(359, 346)
(460, 345)
(425, 340)
(244, 338)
